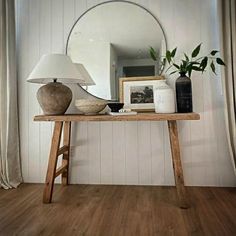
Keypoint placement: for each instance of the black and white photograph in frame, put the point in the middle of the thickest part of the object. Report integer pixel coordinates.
(141, 94)
(137, 93)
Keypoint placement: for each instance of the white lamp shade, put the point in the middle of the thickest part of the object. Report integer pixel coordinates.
(55, 66)
(84, 75)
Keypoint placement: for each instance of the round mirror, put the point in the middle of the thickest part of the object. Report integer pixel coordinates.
(112, 40)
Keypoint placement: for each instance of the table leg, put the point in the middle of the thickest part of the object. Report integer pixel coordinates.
(66, 155)
(176, 159)
(52, 163)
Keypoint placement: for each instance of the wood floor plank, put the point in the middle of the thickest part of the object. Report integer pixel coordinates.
(214, 218)
(117, 210)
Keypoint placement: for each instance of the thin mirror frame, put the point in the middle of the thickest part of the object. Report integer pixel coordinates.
(109, 2)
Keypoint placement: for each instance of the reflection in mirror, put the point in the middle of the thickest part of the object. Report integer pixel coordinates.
(112, 40)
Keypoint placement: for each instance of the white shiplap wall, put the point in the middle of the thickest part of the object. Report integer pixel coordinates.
(125, 152)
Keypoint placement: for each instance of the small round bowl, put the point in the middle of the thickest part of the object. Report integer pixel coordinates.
(90, 106)
(115, 106)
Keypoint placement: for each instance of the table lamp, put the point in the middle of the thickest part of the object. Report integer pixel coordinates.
(87, 80)
(53, 70)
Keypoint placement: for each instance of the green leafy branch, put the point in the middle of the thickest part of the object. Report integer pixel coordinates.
(188, 63)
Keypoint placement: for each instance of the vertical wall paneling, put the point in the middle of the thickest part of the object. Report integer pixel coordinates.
(80, 8)
(57, 33)
(91, 3)
(106, 152)
(118, 153)
(33, 48)
(79, 164)
(157, 153)
(144, 153)
(131, 152)
(94, 152)
(125, 152)
(68, 19)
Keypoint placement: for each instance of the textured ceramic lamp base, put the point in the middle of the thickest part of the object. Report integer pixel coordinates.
(54, 98)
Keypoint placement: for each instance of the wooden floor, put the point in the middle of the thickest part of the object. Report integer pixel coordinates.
(116, 210)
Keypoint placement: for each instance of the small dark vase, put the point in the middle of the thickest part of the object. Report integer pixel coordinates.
(184, 94)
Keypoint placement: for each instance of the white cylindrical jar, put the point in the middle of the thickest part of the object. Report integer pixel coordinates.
(164, 98)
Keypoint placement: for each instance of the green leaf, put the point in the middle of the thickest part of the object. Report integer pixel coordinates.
(196, 50)
(213, 68)
(220, 61)
(169, 68)
(173, 52)
(153, 56)
(153, 53)
(195, 63)
(184, 64)
(189, 73)
(163, 61)
(175, 65)
(213, 52)
(196, 68)
(186, 57)
(203, 63)
(173, 72)
(168, 56)
(152, 49)
(189, 66)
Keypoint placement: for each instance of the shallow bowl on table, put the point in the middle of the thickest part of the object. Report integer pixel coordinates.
(90, 106)
(115, 106)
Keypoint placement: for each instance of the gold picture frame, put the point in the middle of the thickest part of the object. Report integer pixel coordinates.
(125, 91)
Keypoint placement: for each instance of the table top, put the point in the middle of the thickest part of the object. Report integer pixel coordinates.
(139, 117)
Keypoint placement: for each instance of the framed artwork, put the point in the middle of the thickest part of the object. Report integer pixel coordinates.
(137, 92)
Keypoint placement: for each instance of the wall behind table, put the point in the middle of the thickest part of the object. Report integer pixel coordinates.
(125, 152)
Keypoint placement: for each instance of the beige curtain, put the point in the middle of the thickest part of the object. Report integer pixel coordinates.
(227, 13)
(10, 171)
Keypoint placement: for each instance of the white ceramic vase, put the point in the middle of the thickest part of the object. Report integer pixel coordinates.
(164, 98)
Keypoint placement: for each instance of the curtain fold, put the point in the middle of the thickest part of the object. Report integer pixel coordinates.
(10, 169)
(227, 13)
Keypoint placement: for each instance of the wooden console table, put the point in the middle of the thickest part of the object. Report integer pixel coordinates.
(66, 120)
